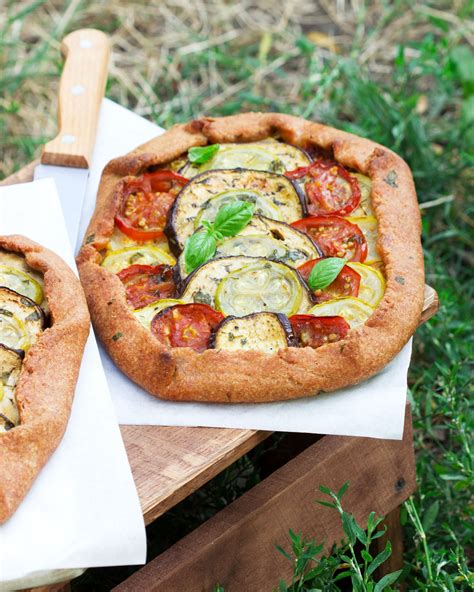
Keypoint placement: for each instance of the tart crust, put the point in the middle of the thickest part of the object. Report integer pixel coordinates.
(45, 389)
(249, 376)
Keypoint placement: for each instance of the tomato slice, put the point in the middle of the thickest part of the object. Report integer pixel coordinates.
(147, 283)
(335, 236)
(330, 189)
(316, 331)
(146, 201)
(186, 325)
(347, 282)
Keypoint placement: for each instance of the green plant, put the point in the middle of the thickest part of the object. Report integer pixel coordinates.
(346, 561)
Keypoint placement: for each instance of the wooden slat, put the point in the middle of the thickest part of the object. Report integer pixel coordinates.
(168, 464)
(236, 548)
(430, 304)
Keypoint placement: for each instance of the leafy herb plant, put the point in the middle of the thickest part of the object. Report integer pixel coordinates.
(346, 561)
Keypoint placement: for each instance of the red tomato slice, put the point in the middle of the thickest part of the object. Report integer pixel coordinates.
(145, 284)
(316, 331)
(330, 189)
(297, 173)
(347, 282)
(335, 236)
(146, 202)
(186, 325)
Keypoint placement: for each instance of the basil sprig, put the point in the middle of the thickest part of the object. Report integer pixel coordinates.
(229, 221)
(201, 154)
(324, 272)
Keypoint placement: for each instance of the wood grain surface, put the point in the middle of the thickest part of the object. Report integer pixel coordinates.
(169, 463)
(236, 548)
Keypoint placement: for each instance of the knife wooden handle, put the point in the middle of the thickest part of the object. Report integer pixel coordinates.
(81, 91)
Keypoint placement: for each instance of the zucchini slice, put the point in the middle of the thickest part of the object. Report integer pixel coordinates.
(239, 286)
(372, 283)
(354, 311)
(365, 206)
(119, 241)
(369, 227)
(263, 237)
(10, 367)
(115, 261)
(272, 195)
(17, 275)
(262, 331)
(145, 314)
(266, 155)
(21, 320)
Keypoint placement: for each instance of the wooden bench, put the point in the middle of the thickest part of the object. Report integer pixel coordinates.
(236, 548)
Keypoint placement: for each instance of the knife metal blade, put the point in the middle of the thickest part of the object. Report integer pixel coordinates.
(71, 185)
(67, 157)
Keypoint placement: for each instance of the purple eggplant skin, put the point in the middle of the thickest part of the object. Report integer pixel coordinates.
(6, 422)
(19, 352)
(297, 230)
(291, 339)
(290, 336)
(169, 229)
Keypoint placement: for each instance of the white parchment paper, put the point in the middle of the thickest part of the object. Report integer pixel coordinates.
(375, 408)
(83, 509)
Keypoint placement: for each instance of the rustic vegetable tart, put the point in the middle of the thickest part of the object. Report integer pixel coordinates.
(252, 258)
(44, 323)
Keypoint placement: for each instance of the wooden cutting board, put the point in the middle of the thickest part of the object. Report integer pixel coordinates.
(169, 463)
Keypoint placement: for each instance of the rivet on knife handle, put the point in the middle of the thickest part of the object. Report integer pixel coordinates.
(81, 91)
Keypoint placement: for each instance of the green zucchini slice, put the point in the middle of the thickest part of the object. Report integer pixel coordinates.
(267, 155)
(239, 286)
(17, 275)
(263, 285)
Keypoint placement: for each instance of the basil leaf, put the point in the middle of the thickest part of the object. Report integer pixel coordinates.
(212, 231)
(325, 272)
(233, 217)
(198, 248)
(201, 154)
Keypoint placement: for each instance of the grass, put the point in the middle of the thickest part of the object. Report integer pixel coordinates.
(398, 72)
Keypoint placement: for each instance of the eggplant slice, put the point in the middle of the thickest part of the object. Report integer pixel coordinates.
(262, 331)
(266, 155)
(239, 286)
(21, 320)
(263, 237)
(10, 367)
(272, 195)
